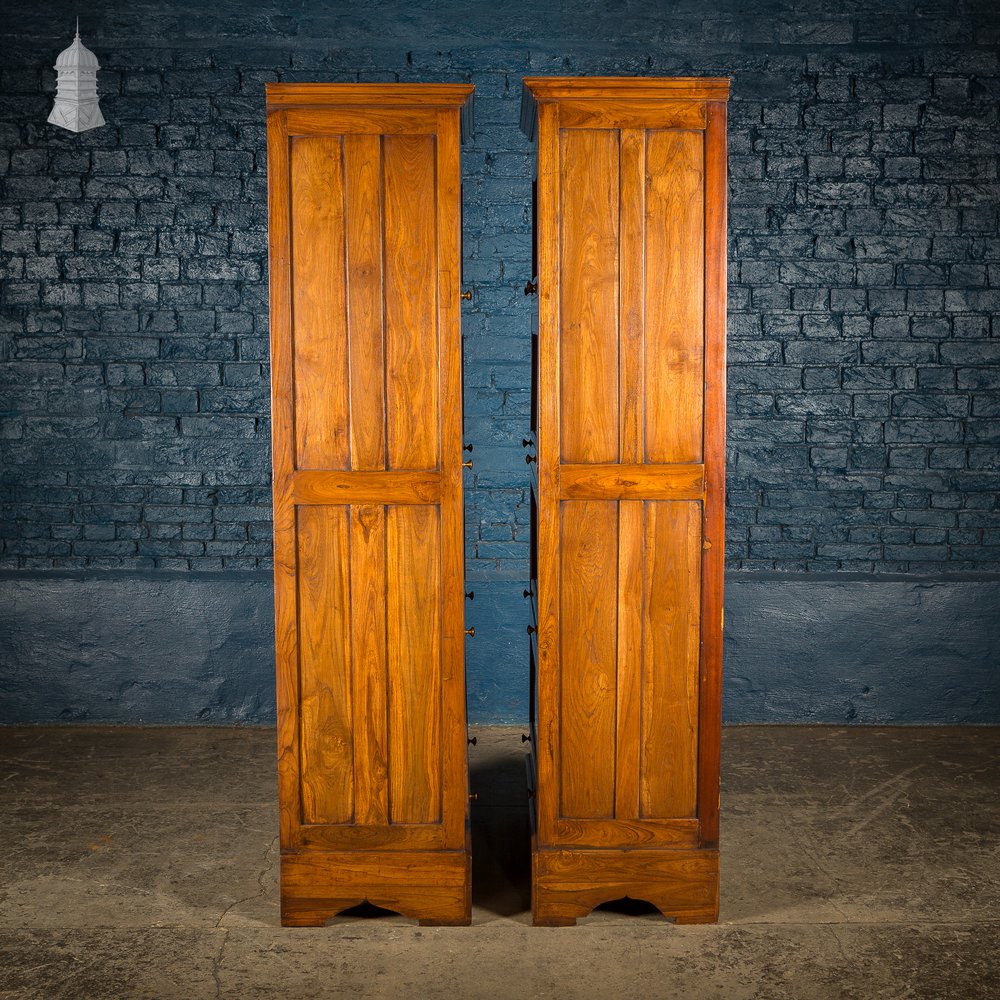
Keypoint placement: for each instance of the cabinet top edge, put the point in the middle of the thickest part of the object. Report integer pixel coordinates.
(615, 88)
(282, 96)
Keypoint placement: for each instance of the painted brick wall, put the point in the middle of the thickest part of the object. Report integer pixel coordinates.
(865, 270)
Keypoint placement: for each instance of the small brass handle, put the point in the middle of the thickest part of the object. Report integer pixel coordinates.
(473, 796)
(530, 288)
(528, 459)
(467, 465)
(471, 632)
(467, 296)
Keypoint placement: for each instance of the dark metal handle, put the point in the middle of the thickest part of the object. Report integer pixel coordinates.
(528, 459)
(468, 447)
(473, 741)
(525, 738)
(470, 595)
(532, 629)
(525, 443)
(526, 594)
(530, 288)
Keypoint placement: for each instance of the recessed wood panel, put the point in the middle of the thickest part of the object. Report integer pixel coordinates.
(671, 602)
(363, 186)
(319, 308)
(588, 295)
(588, 600)
(411, 333)
(326, 727)
(675, 296)
(413, 639)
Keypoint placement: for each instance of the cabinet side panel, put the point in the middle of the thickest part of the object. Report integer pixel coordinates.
(671, 639)
(588, 282)
(588, 658)
(326, 740)
(413, 606)
(319, 312)
(675, 294)
(411, 329)
(363, 183)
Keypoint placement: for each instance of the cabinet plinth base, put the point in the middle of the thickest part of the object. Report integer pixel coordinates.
(568, 884)
(430, 886)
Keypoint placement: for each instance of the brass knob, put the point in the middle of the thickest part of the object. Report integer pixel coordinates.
(530, 288)
(467, 296)
(467, 465)
(471, 632)
(473, 796)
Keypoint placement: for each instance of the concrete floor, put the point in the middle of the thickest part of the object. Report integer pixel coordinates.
(856, 863)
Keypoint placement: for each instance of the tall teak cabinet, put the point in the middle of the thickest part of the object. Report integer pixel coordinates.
(629, 428)
(365, 217)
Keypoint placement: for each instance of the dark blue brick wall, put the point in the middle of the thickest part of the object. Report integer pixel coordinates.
(865, 270)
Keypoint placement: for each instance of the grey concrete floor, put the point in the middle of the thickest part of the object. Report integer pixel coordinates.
(856, 863)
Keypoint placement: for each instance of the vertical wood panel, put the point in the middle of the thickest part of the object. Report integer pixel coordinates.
(327, 749)
(675, 290)
(363, 183)
(588, 325)
(588, 653)
(629, 689)
(319, 308)
(631, 267)
(368, 657)
(413, 609)
(671, 637)
(411, 334)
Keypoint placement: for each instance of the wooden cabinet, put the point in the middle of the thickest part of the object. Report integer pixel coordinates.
(364, 202)
(630, 384)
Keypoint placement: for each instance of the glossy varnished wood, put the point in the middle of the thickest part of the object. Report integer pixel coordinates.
(630, 235)
(364, 215)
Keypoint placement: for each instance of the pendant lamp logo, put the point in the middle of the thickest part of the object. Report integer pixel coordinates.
(76, 106)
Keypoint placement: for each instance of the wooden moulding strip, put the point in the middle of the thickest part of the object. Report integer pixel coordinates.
(632, 482)
(321, 487)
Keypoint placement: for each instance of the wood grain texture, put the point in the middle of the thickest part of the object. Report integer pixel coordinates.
(327, 738)
(316, 487)
(368, 652)
(368, 588)
(587, 654)
(363, 199)
(588, 308)
(671, 630)
(411, 318)
(675, 283)
(413, 638)
(628, 709)
(568, 884)
(645, 824)
(632, 482)
(432, 887)
(319, 304)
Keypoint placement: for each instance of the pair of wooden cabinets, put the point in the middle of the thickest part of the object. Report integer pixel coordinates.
(365, 241)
